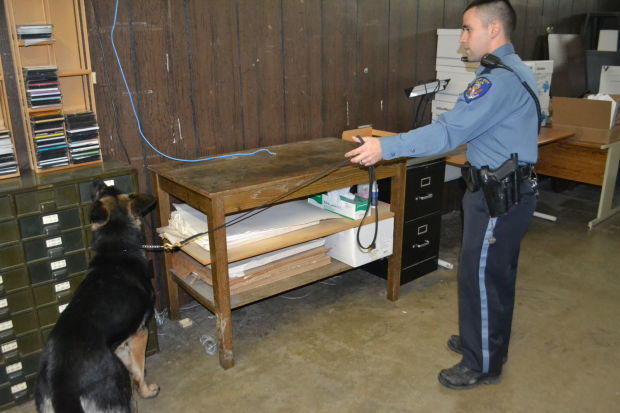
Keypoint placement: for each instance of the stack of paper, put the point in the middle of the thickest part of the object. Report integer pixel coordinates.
(34, 33)
(8, 163)
(42, 86)
(185, 221)
(83, 137)
(48, 131)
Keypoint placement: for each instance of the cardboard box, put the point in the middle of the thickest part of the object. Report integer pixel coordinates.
(343, 245)
(352, 209)
(590, 120)
(349, 135)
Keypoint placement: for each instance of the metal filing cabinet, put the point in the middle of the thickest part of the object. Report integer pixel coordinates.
(422, 221)
(44, 253)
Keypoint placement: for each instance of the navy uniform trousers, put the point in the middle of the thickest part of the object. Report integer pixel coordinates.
(487, 275)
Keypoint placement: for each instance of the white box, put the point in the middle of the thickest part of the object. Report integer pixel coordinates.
(343, 245)
(543, 70)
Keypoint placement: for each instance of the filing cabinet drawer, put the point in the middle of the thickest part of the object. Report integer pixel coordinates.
(11, 394)
(6, 207)
(123, 182)
(17, 371)
(49, 224)
(420, 239)
(57, 269)
(14, 303)
(10, 256)
(418, 269)
(54, 247)
(48, 315)
(16, 348)
(9, 231)
(46, 200)
(14, 279)
(59, 292)
(424, 189)
(17, 325)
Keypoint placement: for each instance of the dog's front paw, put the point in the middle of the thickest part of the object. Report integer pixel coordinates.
(149, 391)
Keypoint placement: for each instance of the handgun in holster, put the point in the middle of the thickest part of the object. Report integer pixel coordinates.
(501, 186)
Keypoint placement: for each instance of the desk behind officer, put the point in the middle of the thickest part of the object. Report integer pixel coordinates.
(497, 117)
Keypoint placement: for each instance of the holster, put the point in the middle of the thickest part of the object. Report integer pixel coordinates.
(501, 186)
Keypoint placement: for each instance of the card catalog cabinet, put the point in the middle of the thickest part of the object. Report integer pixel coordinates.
(44, 254)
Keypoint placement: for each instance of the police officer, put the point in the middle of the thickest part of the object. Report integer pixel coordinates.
(497, 117)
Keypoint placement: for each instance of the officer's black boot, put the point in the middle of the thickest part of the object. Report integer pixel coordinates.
(460, 377)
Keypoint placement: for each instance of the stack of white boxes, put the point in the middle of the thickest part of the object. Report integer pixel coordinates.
(450, 66)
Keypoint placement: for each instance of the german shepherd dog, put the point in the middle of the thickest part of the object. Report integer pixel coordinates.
(96, 349)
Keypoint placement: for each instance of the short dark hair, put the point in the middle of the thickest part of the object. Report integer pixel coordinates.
(497, 10)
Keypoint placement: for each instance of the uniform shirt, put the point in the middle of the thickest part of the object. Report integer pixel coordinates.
(496, 116)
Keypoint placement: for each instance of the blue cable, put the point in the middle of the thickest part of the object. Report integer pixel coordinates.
(135, 113)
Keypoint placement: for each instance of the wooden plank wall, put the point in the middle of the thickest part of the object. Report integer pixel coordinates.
(215, 76)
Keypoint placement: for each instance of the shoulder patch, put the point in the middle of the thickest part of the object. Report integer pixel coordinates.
(477, 89)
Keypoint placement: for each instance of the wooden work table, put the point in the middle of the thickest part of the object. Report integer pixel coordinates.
(231, 185)
(561, 156)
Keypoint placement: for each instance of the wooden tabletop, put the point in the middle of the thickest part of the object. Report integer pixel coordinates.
(547, 135)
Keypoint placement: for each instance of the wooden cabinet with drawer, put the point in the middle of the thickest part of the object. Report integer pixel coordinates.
(422, 221)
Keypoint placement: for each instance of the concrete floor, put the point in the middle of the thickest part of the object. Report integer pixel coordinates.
(341, 346)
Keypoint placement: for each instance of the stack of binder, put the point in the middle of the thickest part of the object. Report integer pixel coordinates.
(34, 33)
(8, 163)
(48, 130)
(42, 87)
(83, 137)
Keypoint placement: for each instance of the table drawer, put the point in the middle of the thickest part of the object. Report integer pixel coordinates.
(49, 224)
(418, 269)
(424, 189)
(46, 200)
(14, 279)
(58, 293)
(57, 269)
(9, 231)
(15, 393)
(54, 247)
(421, 239)
(48, 315)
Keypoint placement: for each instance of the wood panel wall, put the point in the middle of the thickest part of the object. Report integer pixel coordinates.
(214, 76)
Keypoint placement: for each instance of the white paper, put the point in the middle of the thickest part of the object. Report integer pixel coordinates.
(607, 41)
(610, 80)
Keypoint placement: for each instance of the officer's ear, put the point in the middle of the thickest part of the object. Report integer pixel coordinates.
(495, 28)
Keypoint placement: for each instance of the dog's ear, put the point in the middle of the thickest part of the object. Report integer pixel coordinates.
(97, 189)
(142, 204)
(98, 213)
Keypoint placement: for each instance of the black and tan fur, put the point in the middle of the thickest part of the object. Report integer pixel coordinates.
(96, 350)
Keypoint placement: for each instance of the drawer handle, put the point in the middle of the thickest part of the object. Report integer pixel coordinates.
(426, 243)
(424, 197)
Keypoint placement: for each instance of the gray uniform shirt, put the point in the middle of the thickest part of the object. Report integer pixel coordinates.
(496, 116)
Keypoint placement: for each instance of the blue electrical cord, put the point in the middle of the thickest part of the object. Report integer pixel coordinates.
(135, 113)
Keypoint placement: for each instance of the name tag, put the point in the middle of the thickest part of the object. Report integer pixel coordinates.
(1, 280)
(19, 388)
(50, 219)
(7, 325)
(10, 346)
(56, 265)
(109, 182)
(53, 242)
(62, 307)
(60, 287)
(12, 368)
(3, 303)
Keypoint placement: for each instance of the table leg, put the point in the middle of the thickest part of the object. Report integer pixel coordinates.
(221, 288)
(163, 206)
(397, 204)
(605, 207)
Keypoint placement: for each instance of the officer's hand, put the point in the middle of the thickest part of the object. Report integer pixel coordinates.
(367, 154)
